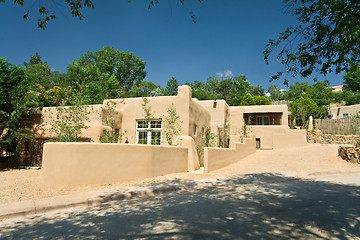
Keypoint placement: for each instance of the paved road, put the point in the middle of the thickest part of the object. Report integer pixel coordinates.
(262, 206)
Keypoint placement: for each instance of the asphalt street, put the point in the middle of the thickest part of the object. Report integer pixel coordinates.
(258, 206)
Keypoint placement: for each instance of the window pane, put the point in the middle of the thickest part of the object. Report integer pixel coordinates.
(266, 121)
(142, 138)
(142, 124)
(155, 124)
(259, 121)
(155, 138)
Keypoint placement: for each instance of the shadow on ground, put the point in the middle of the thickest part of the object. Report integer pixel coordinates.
(259, 206)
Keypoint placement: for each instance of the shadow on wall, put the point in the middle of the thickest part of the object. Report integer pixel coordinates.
(261, 206)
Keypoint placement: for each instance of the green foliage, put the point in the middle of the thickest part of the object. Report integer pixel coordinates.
(320, 92)
(321, 112)
(349, 97)
(352, 80)
(35, 59)
(40, 74)
(247, 100)
(104, 74)
(326, 39)
(262, 100)
(232, 90)
(355, 124)
(275, 93)
(114, 135)
(55, 96)
(302, 109)
(208, 140)
(172, 127)
(171, 87)
(148, 114)
(245, 130)
(47, 14)
(70, 120)
(15, 103)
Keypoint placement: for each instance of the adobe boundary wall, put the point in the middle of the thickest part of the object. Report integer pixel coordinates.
(74, 164)
(215, 158)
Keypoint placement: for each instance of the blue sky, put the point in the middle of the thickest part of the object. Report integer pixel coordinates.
(229, 35)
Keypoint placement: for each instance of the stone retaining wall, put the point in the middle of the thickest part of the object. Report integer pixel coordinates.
(317, 136)
(349, 153)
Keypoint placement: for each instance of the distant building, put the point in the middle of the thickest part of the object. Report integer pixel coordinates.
(338, 112)
(338, 88)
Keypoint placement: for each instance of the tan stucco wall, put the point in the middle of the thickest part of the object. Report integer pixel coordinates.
(200, 117)
(337, 112)
(274, 136)
(291, 138)
(237, 115)
(71, 164)
(266, 133)
(95, 124)
(218, 114)
(215, 158)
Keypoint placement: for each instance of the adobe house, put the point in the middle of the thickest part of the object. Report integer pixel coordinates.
(268, 123)
(338, 112)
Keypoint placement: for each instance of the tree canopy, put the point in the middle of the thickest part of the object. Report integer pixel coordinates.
(326, 40)
(105, 73)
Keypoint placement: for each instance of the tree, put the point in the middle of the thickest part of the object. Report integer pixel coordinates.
(107, 73)
(47, 14)
(34, 59)
(327, 38)
(275, 93)
(262, 100)
(76, 7)
(70, 120)
(171, 87)
(172, 127)
(247, 100)
(296, 90)
(41, 74)
(258, 91)
(112, 136)
(15, 103)
(302, 108)
(352, 80)
(321, 93)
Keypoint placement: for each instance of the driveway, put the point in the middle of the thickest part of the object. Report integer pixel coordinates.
(255, 206)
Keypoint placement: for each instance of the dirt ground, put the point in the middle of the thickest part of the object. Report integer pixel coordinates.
(24, 184)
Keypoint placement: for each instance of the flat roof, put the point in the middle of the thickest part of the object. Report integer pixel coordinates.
(263, 112)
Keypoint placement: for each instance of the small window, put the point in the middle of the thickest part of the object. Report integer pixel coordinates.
(202, 132)
(214, 104)
(194, 130)
(258, 145)
(346, 115)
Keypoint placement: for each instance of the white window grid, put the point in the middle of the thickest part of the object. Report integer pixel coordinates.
(149, 132)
